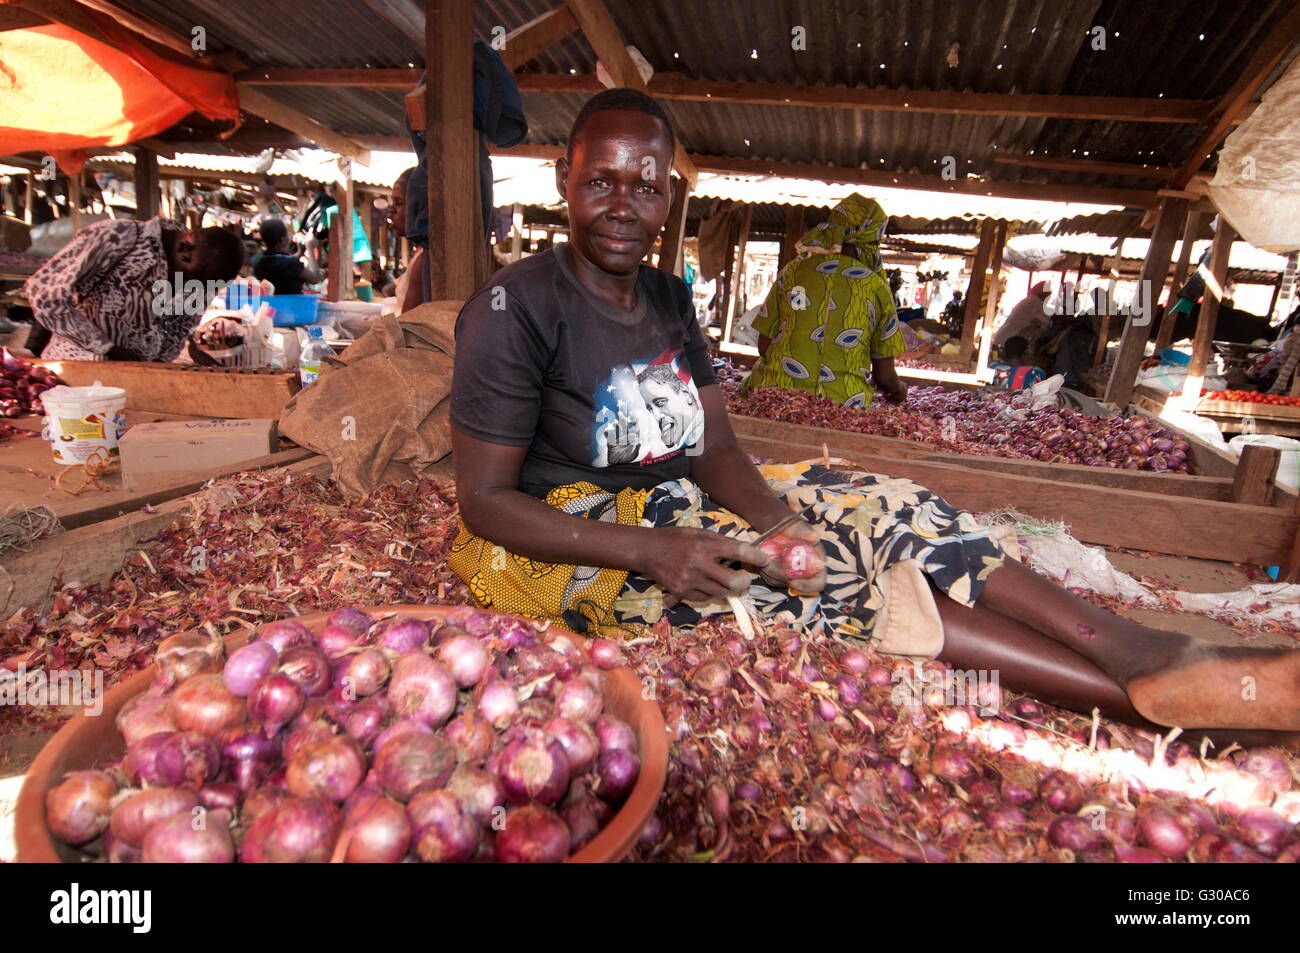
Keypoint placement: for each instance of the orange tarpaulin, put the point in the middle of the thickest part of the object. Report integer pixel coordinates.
(62, 91)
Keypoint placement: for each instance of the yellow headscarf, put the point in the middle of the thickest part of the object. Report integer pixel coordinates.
(856, 219)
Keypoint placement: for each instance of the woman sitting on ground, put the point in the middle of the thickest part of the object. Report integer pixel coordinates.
(600, 484)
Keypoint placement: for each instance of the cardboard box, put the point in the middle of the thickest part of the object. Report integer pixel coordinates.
(169, 451)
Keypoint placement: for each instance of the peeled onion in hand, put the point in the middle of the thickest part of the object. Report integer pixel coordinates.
(797, 558)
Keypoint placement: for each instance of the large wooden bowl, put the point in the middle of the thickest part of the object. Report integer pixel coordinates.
(86, 742)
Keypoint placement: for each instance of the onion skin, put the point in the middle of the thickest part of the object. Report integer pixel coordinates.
(329, 769)
(404, 763)
(532, 834)
(139, 765)
(186, 758)
(174, 840)
(247, 666)
(480, 792)
(308, 666)
(146, 714)
(186, 654)
(471, 734)
(295, 831)
(258, 802)
(379, 832)
(205, 705)
(133, 818)
(77, 809)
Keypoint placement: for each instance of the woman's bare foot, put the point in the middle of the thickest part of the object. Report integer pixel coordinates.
(1223, 687)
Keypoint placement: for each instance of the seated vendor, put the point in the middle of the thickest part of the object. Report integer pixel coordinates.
(124, 290)
(1015, 371)
(830, 314)
(601, 485)
(283, 264)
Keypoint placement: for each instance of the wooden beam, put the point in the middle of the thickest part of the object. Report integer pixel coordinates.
(994, 292)
(365, 78)
(1137, 329)
(674, 232)
(1088, 166)
(736, 275)
(538, 34)
(677, 86)
(1209, 316)
(1190, 229)
(346, 289)
(1267, 54)
(384, 143)
(1206, 529)
(147, 191)
(255, 101)
(975, 290)
(452, 148)
(1256, 472)
(611, 49)
(1135, 198)
(138, 24)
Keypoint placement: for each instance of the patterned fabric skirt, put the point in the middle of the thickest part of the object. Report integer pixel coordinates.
(886, 541)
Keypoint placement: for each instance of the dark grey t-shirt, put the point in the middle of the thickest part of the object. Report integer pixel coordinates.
(595, 393)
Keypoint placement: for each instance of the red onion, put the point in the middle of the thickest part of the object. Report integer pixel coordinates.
(606, 653)
(303, 735)
(379, 831)
(174, 840)
(465, 658)
(584, 814)
(220, 795)
(480, 792)
(1162, 832)
(1137, 855)
(1224, 850)
(275, 701)
(77, 809)
(497, 701)
(406, 762)
(133, 817)
(186, 654)
(399, 729)
(367, 671)
(308, 666)
(1264, 830)
(515, 635)
(295, 831)
(1268, 765)
(116, 852)
(247, 666)
(422, 689)
(403, 636)
(337, 640)
(532, 834)
(186, 757)
(952, 764)
(145, 714)
(471, 734)
(879, 675)
(1074, 833)
(204, 704)
(441, 831)
(1060, 792)
(329, 769)
(1005, 817)
(365, 721)
(618, 769)
(259, 801)
(354, 619)
(578, 740)
(578, 701)
(613, 733)
(285, 634)
(139, 765)
(534, 769)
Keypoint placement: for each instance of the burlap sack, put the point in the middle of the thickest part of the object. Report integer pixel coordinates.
(381, 411)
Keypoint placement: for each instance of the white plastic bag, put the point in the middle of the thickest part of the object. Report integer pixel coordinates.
(1288, 467)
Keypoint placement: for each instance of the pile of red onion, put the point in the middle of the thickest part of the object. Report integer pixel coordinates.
(796, 747)
(475, 738)
(22, 384)
(963, 422)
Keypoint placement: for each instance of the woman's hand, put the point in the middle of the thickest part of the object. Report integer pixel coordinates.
(690, 563)
(775, 575)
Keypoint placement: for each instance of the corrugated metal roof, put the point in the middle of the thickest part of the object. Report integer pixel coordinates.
(1179, 48)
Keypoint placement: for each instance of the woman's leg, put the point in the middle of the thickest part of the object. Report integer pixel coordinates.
(1169, 679)
(1026, 660)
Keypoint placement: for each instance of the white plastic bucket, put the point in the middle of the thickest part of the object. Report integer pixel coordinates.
(82, 423)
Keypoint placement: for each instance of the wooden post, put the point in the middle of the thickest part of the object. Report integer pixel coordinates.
(517, 232)
(334, 259)
(975, 290)
(994, 292)
(345, 289)
(673, 237)
(733, 297)
(724, 303)
(1193, 225)
(1219, 251)
(452, 148)
(1137, 330)
(147, 194)
(1104, 333)
(794, 231)
(1277, 292)
(1253, 482)
(1288, 282)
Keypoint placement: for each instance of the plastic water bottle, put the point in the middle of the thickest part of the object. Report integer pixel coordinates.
(310, 359)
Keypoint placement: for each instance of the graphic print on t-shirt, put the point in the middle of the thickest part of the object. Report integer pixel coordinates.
(646, 411)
